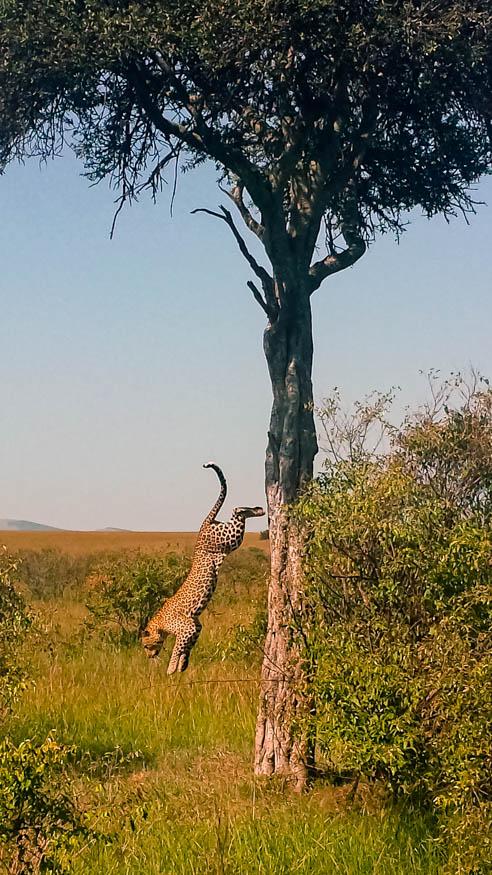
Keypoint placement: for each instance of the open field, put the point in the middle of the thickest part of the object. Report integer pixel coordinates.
(77, 543)
(164, 765)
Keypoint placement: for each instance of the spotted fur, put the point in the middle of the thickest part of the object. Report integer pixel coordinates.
(179, 614)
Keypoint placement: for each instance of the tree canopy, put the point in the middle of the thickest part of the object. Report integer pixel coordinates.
(314, 111)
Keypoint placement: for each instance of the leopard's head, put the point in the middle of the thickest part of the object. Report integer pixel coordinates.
(247, 512)
(152, 642)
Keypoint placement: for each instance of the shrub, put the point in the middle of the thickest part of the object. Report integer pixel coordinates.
(14, 622)
(126, 589)
(51, 573)
(264, 535)
(399, 570)
(40, 826)
(242, 575)
(246, 641)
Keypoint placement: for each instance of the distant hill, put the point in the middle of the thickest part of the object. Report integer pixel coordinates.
(29, 526)
(25, 526)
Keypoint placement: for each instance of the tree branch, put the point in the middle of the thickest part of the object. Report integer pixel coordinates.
(236, 195)
(328, 180)
(165, 126)
(335, 262)
(203, 138)
(268, 303)
(259, 297)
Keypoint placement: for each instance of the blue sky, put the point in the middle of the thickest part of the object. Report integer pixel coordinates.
(125, 364)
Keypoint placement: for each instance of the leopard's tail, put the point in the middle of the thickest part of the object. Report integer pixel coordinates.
(222, 494)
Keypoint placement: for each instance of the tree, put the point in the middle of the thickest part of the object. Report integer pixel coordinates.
(327, 122)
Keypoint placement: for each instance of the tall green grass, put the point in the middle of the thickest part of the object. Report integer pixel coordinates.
(285, 839)
(165, 768)
(102, 699)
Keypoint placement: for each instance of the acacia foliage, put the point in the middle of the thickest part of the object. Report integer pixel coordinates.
(357, 112)
(399, 565)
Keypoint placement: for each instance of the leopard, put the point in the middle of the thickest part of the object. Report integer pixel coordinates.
(179, 614)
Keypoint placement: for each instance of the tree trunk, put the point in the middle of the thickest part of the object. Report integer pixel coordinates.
(280, 747)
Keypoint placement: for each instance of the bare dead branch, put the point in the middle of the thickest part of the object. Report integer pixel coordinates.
(121, 203)
(267, 303)
(259, 297)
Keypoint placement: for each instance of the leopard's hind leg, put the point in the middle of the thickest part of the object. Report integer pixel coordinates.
(186, 637)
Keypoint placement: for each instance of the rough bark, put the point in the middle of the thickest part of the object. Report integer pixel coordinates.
(280, 749)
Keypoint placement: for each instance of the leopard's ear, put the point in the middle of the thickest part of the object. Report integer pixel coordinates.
(145, 632)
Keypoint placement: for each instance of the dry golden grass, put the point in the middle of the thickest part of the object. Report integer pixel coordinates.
(77, 543)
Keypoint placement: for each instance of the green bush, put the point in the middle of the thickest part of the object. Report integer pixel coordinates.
(247, 640)
(242, 580)
(51, 573)
(399, 567)
(242, 576)
(125, 590)
(41, 827)
(15, 620)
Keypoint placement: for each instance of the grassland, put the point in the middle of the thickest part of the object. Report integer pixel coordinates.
(164, 765)
(81, 543)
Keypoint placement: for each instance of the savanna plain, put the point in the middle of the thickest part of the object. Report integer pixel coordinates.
(162, 767)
